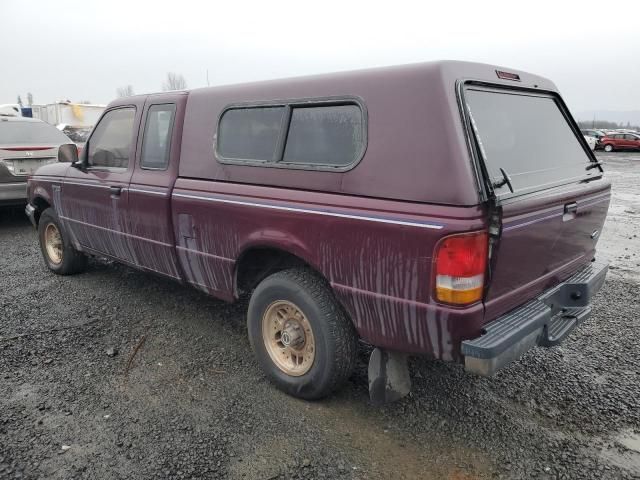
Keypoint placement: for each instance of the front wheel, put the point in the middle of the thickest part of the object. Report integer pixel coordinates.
(56, 247)
(300, 335)
(608, 148)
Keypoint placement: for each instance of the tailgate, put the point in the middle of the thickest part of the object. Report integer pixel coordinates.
(543, 241)
(545, 186)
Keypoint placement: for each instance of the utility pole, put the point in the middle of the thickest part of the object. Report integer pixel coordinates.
(208, 78)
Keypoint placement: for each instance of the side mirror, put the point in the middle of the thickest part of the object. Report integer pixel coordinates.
(68, 153)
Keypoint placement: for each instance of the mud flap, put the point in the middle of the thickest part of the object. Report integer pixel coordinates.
(389, 378)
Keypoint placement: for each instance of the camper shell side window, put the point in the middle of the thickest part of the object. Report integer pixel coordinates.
(316, 134)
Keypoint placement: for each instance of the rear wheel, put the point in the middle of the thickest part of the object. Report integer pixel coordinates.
(608, 148)
(300, 335)
(56, 247)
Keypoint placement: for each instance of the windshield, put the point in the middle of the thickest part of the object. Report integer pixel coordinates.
(30, 133)
(528, 137)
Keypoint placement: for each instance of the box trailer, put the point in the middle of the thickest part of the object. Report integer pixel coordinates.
(67, 113)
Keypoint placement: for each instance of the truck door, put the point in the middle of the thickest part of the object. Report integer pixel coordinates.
(95, 198)
(151, 240)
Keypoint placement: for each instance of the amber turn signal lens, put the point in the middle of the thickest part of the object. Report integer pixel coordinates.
(459, 297)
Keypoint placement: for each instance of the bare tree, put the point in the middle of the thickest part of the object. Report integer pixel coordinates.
(29, 99)
(174, 81)
(20, 101)
(125, 91)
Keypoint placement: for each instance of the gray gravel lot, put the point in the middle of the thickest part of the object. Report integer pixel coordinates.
(194, 404)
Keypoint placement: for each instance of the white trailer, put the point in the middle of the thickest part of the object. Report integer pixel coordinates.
(71, 114)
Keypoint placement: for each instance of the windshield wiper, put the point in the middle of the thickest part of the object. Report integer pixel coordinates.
(505, 180)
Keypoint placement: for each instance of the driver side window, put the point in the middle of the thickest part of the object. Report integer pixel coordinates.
(110, 144)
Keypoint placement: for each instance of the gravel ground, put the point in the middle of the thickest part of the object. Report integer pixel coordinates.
(192, 402)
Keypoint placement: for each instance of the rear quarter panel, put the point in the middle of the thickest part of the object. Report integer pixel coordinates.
(376, 254)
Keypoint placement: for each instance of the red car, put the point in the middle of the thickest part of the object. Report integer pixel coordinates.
(620, 141)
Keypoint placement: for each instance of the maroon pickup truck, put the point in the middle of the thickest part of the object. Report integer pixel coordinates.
(446, 209)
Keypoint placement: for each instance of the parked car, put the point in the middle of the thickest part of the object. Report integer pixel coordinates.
(593, 133)
(591, 141)
(620, 141)
(10, 110)
(597, 134)
(401, 206)
(25, 144)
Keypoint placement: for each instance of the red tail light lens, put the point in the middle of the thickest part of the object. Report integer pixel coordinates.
(460, 264)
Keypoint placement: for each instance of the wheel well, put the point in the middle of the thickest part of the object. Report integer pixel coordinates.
(256, 264)
(41, 205)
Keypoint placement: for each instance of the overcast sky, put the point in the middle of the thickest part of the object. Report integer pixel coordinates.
(85, 49)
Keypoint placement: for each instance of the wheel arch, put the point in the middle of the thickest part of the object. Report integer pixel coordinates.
(41, 204)
(259, 260)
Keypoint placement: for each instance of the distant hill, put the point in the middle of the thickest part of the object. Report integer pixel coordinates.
(620, 117)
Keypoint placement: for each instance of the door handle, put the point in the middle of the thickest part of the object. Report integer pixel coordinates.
(115, 191)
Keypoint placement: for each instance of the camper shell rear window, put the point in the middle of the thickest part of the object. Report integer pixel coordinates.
(325, 134)
(526, 136)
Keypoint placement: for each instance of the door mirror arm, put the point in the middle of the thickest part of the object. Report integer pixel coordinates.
(79, 165)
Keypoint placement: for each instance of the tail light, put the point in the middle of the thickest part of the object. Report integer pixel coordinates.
(460, 266)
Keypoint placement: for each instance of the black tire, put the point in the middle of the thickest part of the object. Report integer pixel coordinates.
(335, 338)
(72, 261)
(608, 148)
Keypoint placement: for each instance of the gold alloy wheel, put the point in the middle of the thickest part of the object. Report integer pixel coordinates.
(53, 243)
(288, 338)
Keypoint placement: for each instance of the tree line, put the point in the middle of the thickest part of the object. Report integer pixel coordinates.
(606, 125)
(173, 81)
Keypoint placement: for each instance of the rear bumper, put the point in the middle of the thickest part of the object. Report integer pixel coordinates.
(13, 192)
(545, 321)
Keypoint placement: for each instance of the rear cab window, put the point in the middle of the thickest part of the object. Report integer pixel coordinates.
(527, 137)
(156, 141)
(323, 135)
